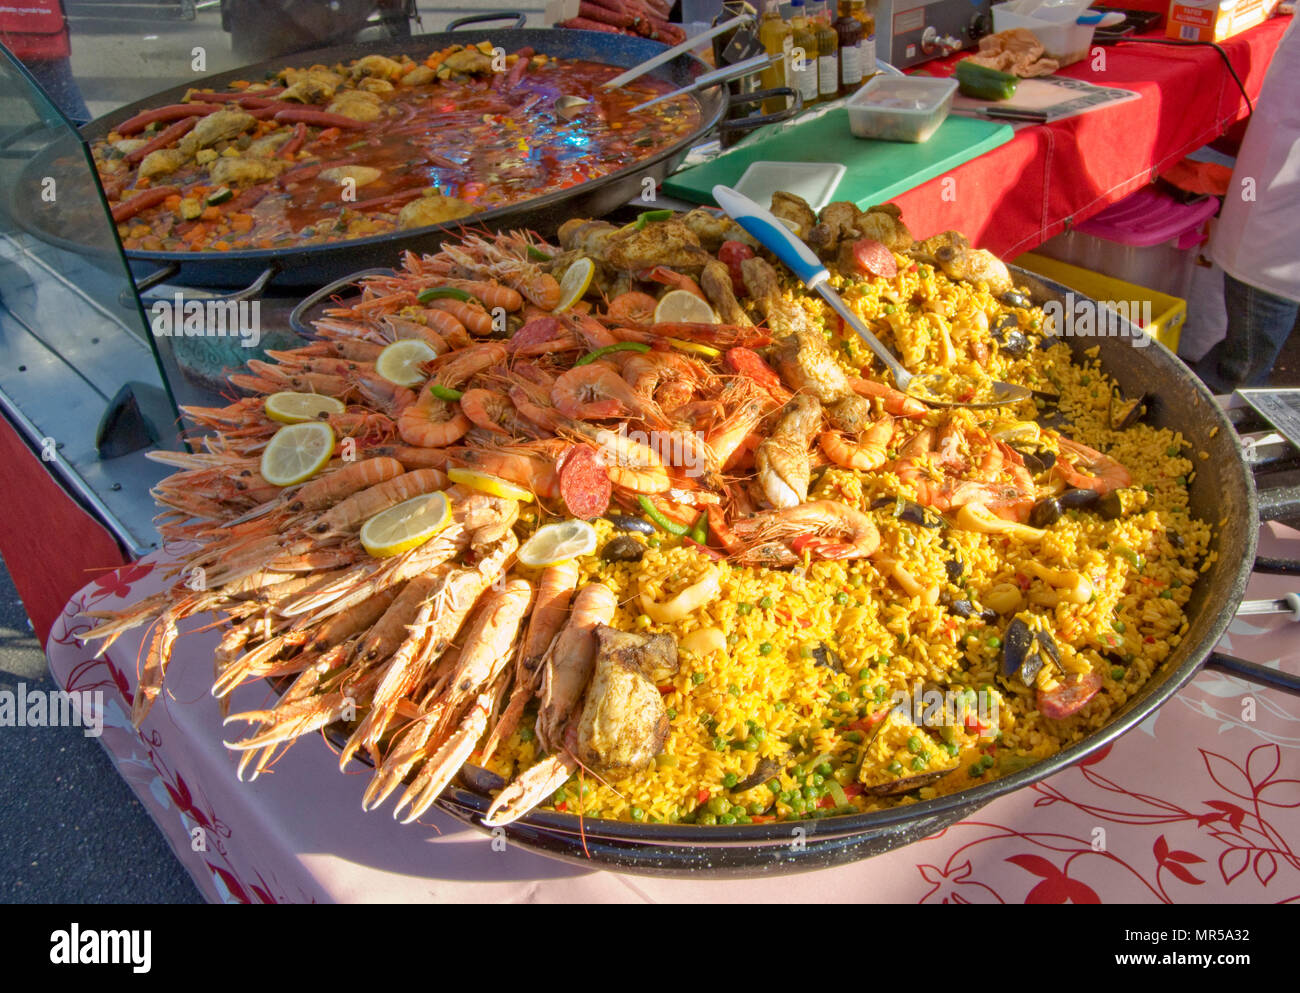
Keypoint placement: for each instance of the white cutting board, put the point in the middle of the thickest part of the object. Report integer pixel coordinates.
(1058, 96)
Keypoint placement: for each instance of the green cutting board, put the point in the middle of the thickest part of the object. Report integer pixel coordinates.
(876, 170)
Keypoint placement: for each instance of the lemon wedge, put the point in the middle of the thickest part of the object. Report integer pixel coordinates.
(576, 282)
(489, 484)
(558, 543)
(682, 307)
(296, 408)
(408, 525)
(297, 452)
(400, 362)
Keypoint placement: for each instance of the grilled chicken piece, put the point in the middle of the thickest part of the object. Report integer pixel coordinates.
(468, 60)
(312, 87)
(433, 210)
(838, 222)
(243, 171)
(162, 162)
(380, 66)
(952, 252)
(219, 126)
(795, 210)
(668, 243)
(841, 222)
(358, 105)
(884, 222)
(586, 237)
(713, 229)
(624, 722)
(715, 280)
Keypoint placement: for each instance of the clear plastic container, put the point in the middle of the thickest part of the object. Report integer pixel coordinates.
(1053, 26)
(900, 108)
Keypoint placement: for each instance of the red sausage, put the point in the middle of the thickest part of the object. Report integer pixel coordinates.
(290, 147)
(260, 96)
(177, 110)
(584, 482)
(874, 258)
(165, 137)
(1066, 699)
(534, 332)
(318, 117)
(127, 209)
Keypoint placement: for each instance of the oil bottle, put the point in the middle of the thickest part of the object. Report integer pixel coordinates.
(828, 51)
(803, 56)
(849, 31)
(863, 11)
(777, 38)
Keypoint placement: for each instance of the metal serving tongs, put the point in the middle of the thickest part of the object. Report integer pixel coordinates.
(778, 239)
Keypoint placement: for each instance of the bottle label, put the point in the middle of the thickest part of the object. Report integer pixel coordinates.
(867, 56)
(787, 76)
(851, 64)
(806, 80)
(828, 72)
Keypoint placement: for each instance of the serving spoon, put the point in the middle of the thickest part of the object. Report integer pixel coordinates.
(801, 260)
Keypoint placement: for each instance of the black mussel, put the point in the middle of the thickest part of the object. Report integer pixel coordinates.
(1075, 498)
(480, 780)
(1015, 298)
(962, 608)
(906, 510)
(1029, 668)
(1005, 323)
(625, 522)
(907, 783)
(1048, 644)
(1045, 513)
(988, 615)
(623, 548)
(1017, 646)
(1111, 506)
(827, 658)
(765, 770)
(953, 568)
(1176, 539)
(1125, 413)
(1015, 344)
(1036, 461)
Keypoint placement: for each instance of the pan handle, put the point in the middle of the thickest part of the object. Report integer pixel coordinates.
(1279, 503)
(250, 291)
(296, 322)
(1276, 567)
(1254, 673)
(749, 123)
(519, 18)
(157, 276)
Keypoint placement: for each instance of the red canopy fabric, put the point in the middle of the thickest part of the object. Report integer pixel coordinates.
(1050, 177)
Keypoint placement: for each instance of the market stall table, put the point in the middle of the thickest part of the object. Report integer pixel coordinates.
(1049, 177)
(1199, 803)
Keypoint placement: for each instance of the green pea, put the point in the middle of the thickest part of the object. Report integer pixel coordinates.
(855, 579)
(1173, 451)
(779, 706)
(559, 796)
(652, 542)
(975, 771)
(526, 734)
(754, 809)
(841, 598)
(719, 744)
(766, 602)
(726, 819)
(707, 818)
(918, 764)
(952, 748)
(774, 786)
(879, 695)
(895, 767)
(729, 780)
(765, 648)
(853, 736)
(697, 678)
(750, 744)
(744, 608)
(784, 797)
(986, 761)
(994, 641)
(719, 804)
(1117, 674)
(733, 689)
(842, 696)
(672, 714)
(825, 769)
(759, 735)
(1119, 626)
(737, 811)
(637, 814)
(1166, 594)
(914, 745)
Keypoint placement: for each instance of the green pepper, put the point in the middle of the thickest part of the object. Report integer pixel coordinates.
(618, 346)
(699, 532)
(648, 216)
(653, 512)
(443, 293)
(445, 392)
(537, 255)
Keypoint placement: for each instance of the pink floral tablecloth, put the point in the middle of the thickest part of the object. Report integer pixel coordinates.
(1200, 803)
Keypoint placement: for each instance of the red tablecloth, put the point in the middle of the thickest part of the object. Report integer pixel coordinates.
(1015, 197)
(1200, 803)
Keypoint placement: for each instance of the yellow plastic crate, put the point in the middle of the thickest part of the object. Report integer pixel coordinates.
(1167, 312)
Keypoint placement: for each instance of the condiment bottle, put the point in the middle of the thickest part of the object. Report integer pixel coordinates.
(862, 10)
(803, 56)
(778, 39)
(849, 31)
(828, 51)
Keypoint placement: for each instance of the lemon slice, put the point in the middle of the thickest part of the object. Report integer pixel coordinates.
(295, 408)
(408, 525)
(489, 484)
(557, 543)
(400, 362)
(694, 346)
(576, 282)
(297, 452)
(681, 307)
